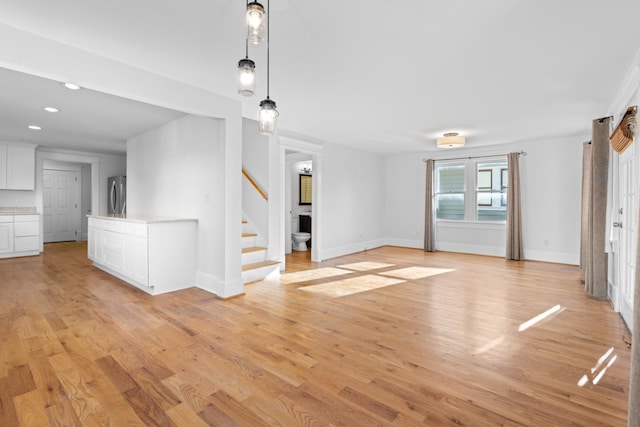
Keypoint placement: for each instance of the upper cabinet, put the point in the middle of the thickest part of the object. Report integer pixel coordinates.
(17, 166)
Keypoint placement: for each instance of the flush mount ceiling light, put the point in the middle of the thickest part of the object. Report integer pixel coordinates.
(255, 23)
(34, 127)
(450, 140)
(268, 113)
(51, 109)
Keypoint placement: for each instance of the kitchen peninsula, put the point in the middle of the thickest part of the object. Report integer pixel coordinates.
(154, 254)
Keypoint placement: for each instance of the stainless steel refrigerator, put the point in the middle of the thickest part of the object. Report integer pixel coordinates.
(117, 195)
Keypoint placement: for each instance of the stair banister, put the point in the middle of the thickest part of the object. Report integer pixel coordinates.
(254, 184)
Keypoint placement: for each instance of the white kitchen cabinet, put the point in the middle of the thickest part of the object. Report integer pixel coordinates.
(95, 244)
(6, 234)
(136, 259)
(19, 235)
(154, 254)
(26, 232)
(17, 167)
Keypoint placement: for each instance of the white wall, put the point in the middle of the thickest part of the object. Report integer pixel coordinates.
(550, 175)
(353, 200)
(177, 170)
(86, 199)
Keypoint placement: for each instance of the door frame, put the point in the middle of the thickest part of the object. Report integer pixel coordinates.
(77, 169)
(92, 160)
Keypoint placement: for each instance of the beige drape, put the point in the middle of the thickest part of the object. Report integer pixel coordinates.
(595, 258)
(514, 247)
(429, 217)
(586, 185)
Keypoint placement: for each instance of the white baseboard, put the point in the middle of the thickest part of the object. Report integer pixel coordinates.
(212, 284)
(531, 255)
(405, 243)
(555, 257)
(471, 249)
(351, 249)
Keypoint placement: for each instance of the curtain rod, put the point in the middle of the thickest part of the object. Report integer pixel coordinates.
(522, 153)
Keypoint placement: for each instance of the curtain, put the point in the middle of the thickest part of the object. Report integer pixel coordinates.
(595, 263)
(586, 188)
(514, 248)
(429, 217)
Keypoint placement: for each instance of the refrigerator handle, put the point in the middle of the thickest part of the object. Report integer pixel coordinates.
(123, 200)
(112, 197)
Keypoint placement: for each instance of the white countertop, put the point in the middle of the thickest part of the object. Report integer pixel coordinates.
(143, 219)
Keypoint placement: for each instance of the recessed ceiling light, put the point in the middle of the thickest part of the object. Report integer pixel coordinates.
(51, 109)
(34, 127)
(71, 86)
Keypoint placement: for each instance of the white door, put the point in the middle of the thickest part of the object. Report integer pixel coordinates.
(627, 223)
(61, 213)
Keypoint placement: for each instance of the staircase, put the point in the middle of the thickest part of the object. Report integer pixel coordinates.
(255, 265)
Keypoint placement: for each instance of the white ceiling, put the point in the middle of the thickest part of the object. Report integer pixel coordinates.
(380, 76)
(87, 120)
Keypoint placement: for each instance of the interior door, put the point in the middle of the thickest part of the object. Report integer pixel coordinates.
(61, 213)
(627, 223)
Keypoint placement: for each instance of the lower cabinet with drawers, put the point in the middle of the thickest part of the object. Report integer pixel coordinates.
(19, 235)
(157, 255)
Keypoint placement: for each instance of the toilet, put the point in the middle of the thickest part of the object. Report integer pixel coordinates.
(300, 241)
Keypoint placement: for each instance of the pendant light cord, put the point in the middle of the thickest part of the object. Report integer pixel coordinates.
(268, 39)
(246, 39)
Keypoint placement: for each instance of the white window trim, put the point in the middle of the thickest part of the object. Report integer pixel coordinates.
(470, 189)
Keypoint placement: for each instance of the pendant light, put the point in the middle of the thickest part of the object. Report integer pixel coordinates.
(246, 72)
(268, 112)
(255, 22)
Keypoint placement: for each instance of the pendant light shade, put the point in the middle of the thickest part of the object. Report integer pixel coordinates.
(255, 23)
(268, 117)
(246, 77)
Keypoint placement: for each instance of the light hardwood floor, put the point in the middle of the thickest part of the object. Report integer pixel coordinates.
(386, 337)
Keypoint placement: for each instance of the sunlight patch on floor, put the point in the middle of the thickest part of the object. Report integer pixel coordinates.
(351, 286)
(413, 273)
(366, 265)
(598, 371)
(489, 346)
(303, 276)
(540, 318)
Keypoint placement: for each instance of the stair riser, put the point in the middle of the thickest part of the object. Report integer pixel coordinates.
(252, 257)
(259, 273)
(249, 242)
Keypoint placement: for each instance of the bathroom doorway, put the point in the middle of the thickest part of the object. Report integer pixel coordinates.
(302, 158)
(300, 197)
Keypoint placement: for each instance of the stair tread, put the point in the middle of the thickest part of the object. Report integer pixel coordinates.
(260, 264)
(249, 235)
(253, 249)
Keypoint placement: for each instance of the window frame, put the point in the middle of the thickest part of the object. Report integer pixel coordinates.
(436, 184)
(471, 190)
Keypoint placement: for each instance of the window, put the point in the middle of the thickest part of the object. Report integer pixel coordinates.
(450, 192)
(459, 184)
(492, 194)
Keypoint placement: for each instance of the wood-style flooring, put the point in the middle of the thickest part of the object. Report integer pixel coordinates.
(391, 337)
